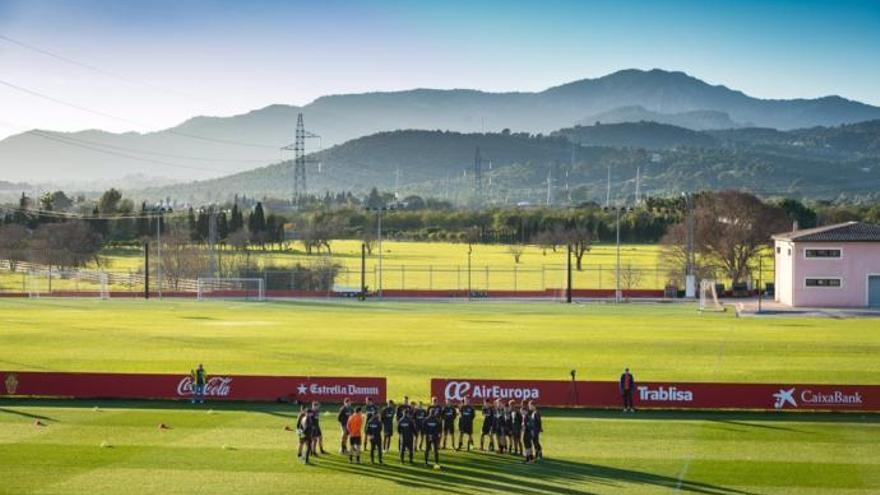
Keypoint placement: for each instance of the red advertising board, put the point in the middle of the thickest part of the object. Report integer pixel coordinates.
(666, 395)
(218, 387)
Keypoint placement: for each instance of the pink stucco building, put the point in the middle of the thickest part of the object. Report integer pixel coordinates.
(833, 266)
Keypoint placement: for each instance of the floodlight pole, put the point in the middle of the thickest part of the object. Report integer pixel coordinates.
(617, 290)
(760, 275)
(363, 295)
(379, 235)
(470, 252)
(568, 285)
(159, 253)
(146, 269)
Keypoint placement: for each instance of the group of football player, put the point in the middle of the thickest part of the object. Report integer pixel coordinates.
(509, 427)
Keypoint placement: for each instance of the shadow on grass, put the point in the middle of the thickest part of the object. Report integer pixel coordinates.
(489, 472)
(24, 414)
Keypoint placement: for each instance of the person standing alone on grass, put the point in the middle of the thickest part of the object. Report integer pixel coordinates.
(627, 386)
(387, 414)
(354, 426)
(374, 434)
(406, 431)
(433, 427)
(466, 424)
(199, 379)
(344, 413)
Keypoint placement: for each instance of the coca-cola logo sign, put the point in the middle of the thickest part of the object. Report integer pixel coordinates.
(216, 386)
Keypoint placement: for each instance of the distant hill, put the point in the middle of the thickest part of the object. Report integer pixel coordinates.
(205, 147)
(649, 135)
(698, 120)
(818, 163)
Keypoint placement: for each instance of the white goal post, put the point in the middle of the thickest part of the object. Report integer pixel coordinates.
(709, 297)
(78, 283)
(250, 289)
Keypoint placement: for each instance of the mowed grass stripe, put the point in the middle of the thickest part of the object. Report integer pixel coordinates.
(411, 342)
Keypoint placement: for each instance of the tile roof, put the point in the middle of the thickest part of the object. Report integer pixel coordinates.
(841, 232)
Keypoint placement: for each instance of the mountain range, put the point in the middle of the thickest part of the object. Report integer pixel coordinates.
(575, 164)
(210, 147)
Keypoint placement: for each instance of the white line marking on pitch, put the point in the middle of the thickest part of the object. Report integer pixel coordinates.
(682, 475)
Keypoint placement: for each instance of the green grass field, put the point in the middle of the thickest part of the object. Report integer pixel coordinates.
(432, 265)
(410, 342)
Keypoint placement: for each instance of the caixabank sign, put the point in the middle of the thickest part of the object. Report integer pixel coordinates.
(217, 387)
(665, 395)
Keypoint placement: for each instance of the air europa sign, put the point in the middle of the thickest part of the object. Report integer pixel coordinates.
(664, 395)
(218, 387)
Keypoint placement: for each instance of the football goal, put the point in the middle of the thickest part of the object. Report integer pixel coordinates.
(249, 289)
(80, 283)
(709, 297)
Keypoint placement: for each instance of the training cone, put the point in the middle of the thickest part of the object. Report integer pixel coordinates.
(227, 447)
(105, 444)
(38, 423)
(210, 411)
(96, 409)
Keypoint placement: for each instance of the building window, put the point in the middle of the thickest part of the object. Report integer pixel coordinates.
(823, 282)
(822, 253)
(789, 251)
(778, 250)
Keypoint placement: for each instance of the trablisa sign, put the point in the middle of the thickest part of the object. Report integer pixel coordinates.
(217, 387)
(664, 395)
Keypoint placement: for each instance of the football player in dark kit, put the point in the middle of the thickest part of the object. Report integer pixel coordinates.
(488, 425)
(402, 409)
(305, 427)
(370, 408)
(387, 415)
(500, 425)
(466, 423)
(449, 412)
(516, 426)
(419, 415)
(529, 428)
(406, 435)
(344, 413)
(433, 426)
(539, 428)
(374, 434)
(317, 435)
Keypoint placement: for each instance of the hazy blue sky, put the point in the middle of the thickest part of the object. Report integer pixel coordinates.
(181, 58)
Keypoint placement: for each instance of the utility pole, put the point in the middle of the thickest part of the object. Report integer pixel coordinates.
(478, 178)
(147, 270)
(299, 159)
(470, 252)
(608, 189)
(638, 185)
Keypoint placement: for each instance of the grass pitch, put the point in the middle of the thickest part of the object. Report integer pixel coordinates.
(588, 452)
